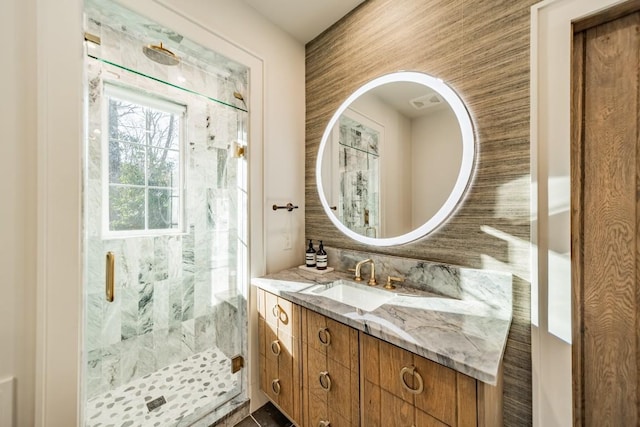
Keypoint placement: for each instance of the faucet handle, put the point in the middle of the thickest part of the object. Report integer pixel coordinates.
(390, 280)
(357, 277)
(372, 280)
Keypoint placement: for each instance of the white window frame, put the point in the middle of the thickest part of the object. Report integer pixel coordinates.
(149, 100)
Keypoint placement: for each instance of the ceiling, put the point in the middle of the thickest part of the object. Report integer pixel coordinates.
(303, 19)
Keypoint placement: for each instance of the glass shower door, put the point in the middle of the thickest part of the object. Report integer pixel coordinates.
(165, 199)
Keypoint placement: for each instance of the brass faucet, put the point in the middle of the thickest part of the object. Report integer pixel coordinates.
(391, 280)
(372, 279)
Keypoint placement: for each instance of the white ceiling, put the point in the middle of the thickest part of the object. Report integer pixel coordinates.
(303, 19)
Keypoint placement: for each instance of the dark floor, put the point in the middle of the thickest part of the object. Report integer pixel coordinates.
(267, 416)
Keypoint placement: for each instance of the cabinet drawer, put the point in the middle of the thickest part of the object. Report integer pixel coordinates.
(329, 381)
(409, 388)
(425, 420)
(320, 416)
(278, 313)
(439, 395)
(331, 338)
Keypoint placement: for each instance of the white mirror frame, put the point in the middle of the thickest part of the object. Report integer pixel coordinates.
(464, 175)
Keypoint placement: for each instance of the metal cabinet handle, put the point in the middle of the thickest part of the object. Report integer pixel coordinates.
(110, 276)
(324, 336)
(325, 380)
(412, 370)
(280, 314)
(275, 347)
(324, 423)
(275, 386)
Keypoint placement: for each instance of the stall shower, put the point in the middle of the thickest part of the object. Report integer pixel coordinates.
(165, 253)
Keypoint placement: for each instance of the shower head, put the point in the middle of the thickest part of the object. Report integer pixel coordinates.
(160, 54)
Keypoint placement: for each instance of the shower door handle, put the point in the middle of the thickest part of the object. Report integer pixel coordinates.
(110, 276)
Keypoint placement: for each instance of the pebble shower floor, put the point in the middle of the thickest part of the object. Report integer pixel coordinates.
(191, 388)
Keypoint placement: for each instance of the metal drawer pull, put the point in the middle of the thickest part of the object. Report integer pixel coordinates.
(280, 314)
(325, 380)
(275, 386)
(412, 370)
(275, 347)
(323, 423)
(324, 336)
(110, 276)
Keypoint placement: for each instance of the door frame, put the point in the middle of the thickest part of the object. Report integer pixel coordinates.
(550, 89)
(60, 61)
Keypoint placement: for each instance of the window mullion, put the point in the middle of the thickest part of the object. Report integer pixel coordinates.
(146, 169)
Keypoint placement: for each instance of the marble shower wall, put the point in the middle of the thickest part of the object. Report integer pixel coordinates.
(358, 165)
(175, 295)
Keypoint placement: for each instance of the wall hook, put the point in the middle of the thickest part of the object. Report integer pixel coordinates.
(289, 207)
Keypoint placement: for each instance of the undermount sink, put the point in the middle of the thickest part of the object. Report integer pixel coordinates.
(353, 294)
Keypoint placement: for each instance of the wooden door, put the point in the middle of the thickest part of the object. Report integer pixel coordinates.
(605, 187)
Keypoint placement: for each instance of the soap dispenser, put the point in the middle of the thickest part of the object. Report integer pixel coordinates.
(310, 256)
(321, 258)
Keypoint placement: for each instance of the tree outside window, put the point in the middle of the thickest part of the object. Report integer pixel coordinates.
(144, 163)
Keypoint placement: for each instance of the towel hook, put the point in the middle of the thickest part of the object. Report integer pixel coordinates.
(289, 207)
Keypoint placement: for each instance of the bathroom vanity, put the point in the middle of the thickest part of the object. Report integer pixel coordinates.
(367, 356)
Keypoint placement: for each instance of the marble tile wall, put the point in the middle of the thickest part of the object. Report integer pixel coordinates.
(175, 295)
(358, 205)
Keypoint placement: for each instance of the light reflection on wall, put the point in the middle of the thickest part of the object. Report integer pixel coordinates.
(555, 275)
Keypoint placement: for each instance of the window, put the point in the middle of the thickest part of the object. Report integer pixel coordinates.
(144, 163)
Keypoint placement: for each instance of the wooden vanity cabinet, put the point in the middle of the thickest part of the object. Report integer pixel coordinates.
(402, 389)
(280, 368)
(331, 377)
(322, 373)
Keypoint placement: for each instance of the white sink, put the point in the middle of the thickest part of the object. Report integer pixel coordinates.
(355, 295)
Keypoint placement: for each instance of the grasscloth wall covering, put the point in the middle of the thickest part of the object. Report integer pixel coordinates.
(481, 48)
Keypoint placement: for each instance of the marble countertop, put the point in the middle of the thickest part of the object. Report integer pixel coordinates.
(467, 335)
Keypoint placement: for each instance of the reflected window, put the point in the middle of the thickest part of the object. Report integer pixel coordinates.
(144, 163)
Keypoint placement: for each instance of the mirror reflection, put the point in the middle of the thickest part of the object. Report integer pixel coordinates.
(392, 158)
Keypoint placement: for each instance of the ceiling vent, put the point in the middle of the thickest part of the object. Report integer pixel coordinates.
(426, 101)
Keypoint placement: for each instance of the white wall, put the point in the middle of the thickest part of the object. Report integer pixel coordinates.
(436, 159)
(395, 152)
(17, 208)
(43, 63)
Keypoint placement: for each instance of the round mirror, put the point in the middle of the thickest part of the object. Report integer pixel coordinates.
(395, 159)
